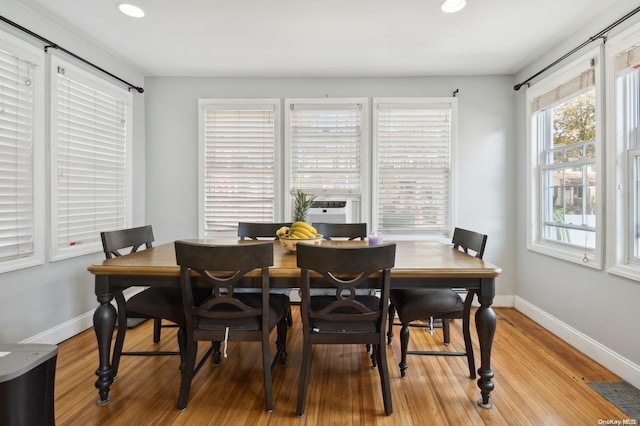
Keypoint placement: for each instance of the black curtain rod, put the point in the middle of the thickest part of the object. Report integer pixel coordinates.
(52, 45)
(601, 34)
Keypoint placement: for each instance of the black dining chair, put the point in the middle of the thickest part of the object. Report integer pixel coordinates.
(443, 304)
(155, 302)
(262, 231)
(259, 230)
(350, 231)
(228, 315)
(344, 317)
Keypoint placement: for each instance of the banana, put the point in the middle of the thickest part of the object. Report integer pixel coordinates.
(303, 233)
(282, 231)
(304, 225)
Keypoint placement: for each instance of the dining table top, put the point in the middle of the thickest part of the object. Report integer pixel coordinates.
(414, 259)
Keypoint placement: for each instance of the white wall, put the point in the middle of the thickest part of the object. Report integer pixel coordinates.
(484, 170)
(51, 302)
(593, 310)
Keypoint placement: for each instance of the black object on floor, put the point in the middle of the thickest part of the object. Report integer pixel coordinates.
(621, 394)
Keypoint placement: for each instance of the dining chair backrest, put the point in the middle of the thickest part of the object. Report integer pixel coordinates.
(351, 231)
(257, 230)
(466, 240)
(113, 242)
(343, 269)
(222, 268)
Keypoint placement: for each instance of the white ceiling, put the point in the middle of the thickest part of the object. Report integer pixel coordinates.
(316, 38)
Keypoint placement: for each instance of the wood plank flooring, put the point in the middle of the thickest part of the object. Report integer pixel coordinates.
(538, 380)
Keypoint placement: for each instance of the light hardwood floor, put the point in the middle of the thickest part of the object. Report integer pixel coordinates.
(539, 380)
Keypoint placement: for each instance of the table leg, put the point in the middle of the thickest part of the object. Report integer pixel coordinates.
(104, 322)
(486, 328)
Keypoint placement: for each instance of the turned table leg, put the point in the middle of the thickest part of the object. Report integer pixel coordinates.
(486, 327)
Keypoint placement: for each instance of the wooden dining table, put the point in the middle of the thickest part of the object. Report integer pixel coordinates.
(418, 264)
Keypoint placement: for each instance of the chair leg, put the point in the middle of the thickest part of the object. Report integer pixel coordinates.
(304, 377)
(374, 357)
(392, 315)
(157, 326)
(445, 331)
(383, 370)
(404, 344)
(182, 346)
(281, 341)
(187, 373)
(468, 347)
(266, 367)
(216, 353)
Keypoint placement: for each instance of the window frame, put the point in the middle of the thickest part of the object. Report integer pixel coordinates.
(445, 232)
(226, 104)
(20, 49)
(535, 180)
(84, 77)
(620, 171)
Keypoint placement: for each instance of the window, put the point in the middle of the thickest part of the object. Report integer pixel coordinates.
(325, 151)
(238, 166)
(21, 154)
(90, 160)
(412, 165)
(623, 67)
(564, 157)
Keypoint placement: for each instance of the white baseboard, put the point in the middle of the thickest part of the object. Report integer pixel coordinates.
(70, 328)
(613, 361)
(498, 301)
(64, 331)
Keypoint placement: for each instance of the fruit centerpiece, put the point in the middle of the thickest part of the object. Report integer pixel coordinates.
(299, 231)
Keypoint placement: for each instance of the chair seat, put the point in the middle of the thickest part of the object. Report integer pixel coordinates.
(161, 302)
(420, 304)
(318, 303)
(278, 308)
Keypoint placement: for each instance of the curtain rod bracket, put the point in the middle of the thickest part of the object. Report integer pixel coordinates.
(455, 92)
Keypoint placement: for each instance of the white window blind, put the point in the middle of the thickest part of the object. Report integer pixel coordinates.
(238, 157)
(413, 167)
(16, 158)
(90, 135)
(325, 144)
(627, 61)
(579, 83)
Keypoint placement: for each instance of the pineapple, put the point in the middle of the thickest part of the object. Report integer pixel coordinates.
(301, 206)
(299, 229)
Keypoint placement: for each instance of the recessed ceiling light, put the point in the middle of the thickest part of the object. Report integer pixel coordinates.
(451, 6)
(131, 10)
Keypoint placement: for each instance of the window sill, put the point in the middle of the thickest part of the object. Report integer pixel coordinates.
(22, 263)
(631, 272)
(567, 254)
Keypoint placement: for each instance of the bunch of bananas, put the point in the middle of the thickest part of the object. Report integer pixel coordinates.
(297, 231)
